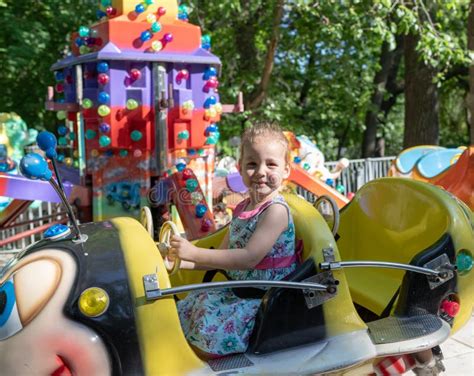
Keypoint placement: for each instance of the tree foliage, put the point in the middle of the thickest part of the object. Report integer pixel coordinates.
(318, 79)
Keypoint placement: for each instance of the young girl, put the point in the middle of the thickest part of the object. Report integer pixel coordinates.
(260, 245)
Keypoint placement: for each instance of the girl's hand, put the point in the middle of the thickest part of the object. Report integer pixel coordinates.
(181, 248)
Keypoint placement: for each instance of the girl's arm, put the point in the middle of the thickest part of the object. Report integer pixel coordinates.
(193, 266)
(271, 224)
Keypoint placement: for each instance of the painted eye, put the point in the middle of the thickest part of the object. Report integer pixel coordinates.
(9, 318)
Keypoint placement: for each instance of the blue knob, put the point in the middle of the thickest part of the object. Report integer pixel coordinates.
(210, 102)
(57, 231)
(34, 166)
(210, 72)
(47, 142)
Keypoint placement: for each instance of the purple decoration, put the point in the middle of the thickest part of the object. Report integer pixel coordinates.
(168, 38)
(104, 128)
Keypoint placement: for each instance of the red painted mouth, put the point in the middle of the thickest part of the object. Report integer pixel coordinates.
(63, 368)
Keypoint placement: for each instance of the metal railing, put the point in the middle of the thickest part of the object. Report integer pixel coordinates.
(358, 173)
(37, 216)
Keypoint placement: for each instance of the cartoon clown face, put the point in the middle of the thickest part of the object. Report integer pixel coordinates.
(36, 337)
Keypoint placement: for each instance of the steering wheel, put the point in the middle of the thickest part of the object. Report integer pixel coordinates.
(167, 230)
(147, 220)
(327, 207)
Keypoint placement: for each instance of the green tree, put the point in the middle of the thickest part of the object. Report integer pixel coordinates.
(34, 35)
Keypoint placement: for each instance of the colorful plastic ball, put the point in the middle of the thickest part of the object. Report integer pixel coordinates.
(72, 136)
(187, 174)
(140, 8)
(168, 38)
(102, 67)
(210, 101)
(196, 197)
(84, 50)
(188, 105)
(105, 3)
(60, 158)
(104, 141)
(151, 18)
(62, 141)
(90, 41)
(99, 14)
(61, 115)
(104, 128)
(136, 135)
(191, 185)
(180, 166)
(155, 27)
(210, 129)
(109, 153)
(330, 182)
(297, 160)
(211, 140)
(210, 72)
(201, 152)
(123, 153)
(59, 87)
(110, 11)
(103, 97)
(94, 153)
(211, 112)
(79, 42)
(218, 108)
(90, 134)
(87, 103)
(145, 35)
(156, 45)
(350, 195)
(83, 31)
(132, 104)
(306, 166)
(135, 74)
(103, 110)
(161, 11)
(183, 74)
(201, 209)
(68, 161)
(137, 153)
(103, 78)
(62, 130)
(94, 33)
(341, 189)
(75, 164)
(206, 225)
(59, 76)
(206, 38)
(75, 153)
(183, 135)
(149, 2)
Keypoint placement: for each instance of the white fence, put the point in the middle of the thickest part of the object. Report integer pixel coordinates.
(34, 218)
(359, 172)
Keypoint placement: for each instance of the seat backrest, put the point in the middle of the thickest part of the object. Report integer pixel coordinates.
(393, 219)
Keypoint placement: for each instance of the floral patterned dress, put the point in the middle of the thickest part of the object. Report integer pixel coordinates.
(217, 321)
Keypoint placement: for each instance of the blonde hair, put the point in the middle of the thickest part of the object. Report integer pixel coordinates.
(265, 129)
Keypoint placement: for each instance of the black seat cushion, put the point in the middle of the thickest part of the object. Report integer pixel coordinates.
(283, 319)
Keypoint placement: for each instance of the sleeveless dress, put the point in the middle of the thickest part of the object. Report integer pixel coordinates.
(217, 321)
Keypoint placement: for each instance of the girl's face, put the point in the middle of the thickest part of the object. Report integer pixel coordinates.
(263, 166)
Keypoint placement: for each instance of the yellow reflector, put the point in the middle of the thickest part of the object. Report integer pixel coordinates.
(93, 302)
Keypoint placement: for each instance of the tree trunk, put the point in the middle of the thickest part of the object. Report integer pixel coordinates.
(470, 97)
(389, 62)
(421, 99)
(259, 95)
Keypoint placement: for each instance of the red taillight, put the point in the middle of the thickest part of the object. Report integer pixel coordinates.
(451, 308)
